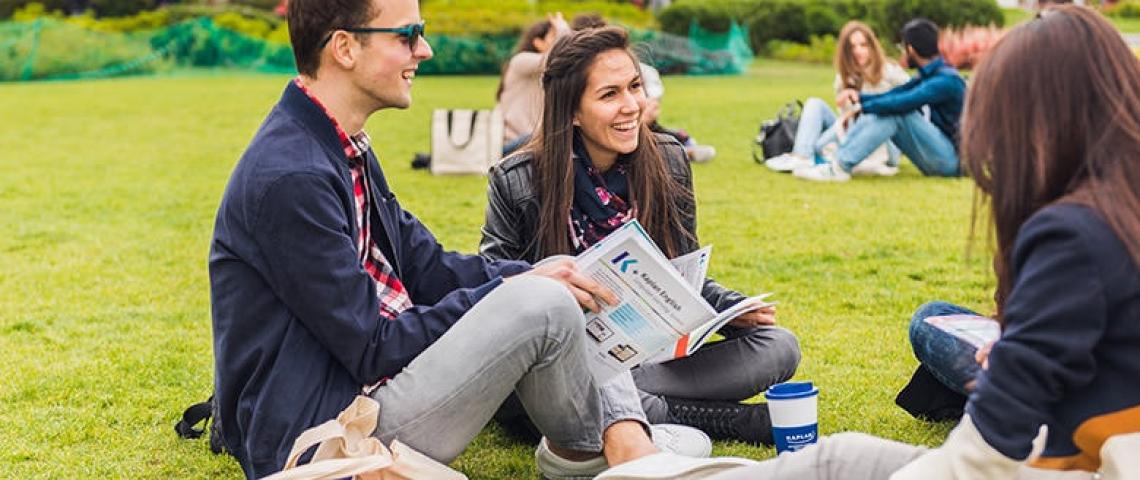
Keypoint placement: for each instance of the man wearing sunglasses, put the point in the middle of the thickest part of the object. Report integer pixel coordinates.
(323, 287)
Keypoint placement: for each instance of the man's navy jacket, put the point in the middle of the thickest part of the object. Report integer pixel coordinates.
(937, 85)
(297, 325)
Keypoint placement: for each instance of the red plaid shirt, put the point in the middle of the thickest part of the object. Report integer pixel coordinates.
(389, 289)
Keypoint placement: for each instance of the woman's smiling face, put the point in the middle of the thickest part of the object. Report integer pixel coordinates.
(609, 114)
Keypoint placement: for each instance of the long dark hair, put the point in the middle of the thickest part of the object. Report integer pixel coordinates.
(652, 190)
(1053, 115)
(526, 44)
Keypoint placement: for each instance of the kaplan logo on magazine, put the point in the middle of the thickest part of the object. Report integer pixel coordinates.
(624, 262)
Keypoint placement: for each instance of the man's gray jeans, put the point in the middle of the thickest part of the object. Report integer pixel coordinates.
(526, 336)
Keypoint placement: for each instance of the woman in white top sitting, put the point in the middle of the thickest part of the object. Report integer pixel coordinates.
(860, 65)
(520, 92)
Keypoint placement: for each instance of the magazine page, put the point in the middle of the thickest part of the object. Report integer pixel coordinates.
(690, 342)
(655, 304)
(694, 267)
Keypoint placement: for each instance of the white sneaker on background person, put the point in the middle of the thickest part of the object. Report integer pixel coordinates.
(788, 162)
(700, 153)
(874, 169)
(679, 444)
(824, 172)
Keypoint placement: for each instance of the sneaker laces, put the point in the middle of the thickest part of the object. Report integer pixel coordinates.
(719, 421)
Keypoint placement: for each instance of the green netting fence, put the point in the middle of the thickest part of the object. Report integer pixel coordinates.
(53, 49)
(49, 49)
(701, 53)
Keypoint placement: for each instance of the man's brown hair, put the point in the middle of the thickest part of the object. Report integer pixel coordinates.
(312, 21)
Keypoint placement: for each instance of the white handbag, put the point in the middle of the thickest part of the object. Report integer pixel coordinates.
(465, 141)
(346, 448)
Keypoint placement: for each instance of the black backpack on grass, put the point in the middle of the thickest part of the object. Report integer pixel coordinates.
(778, 135)
(205, 413)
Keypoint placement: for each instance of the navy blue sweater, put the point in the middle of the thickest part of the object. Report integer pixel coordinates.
(937, 85)
(1069, 355)
(297, 328)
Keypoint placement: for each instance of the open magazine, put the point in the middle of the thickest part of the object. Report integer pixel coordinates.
(660, 313)
(972, 329)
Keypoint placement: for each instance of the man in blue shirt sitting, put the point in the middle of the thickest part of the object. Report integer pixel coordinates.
(897, 115)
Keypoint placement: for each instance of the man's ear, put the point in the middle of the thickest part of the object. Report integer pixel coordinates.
(343, 49)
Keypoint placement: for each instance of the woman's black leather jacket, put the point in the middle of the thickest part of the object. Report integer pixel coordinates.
(511, 225)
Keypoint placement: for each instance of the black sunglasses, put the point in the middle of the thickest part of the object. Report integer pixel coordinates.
(413, 32)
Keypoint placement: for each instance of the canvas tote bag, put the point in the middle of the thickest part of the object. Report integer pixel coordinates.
(346, 448)
(465, 141)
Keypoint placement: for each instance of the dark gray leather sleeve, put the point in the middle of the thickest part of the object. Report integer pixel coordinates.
(509, 226)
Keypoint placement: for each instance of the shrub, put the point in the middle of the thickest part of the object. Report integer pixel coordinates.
(148, 20)
(818, 50)
(1124, 9)
(51, 49)
(800, 20)
(945, 13)
(468, 54)
(266, 5)
(120, 8)
(200, 43)
(237, 22)
(510, 17)
(9, 7)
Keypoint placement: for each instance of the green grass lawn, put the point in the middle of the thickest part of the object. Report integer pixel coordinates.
(1014, 16)
(108, 191)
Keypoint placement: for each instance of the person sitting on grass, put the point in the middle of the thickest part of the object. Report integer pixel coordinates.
(931, 144)
(519, 94)
(654, 90)
(1063, 181)
(859, 65)
(323, 287)
(593, 166)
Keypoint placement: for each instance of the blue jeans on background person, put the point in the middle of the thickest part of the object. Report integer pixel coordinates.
(949, 358)
(817, 128)
(512, 145)
(920, 140)
(814, 130)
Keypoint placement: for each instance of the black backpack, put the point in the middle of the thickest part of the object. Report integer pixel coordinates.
(205, 413)
(778, 135)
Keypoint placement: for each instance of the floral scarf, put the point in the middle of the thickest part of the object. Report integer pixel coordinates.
(599, 206)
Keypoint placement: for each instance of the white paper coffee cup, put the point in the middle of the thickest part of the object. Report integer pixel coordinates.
(794, 409)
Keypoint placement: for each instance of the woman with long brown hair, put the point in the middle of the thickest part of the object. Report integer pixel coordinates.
(860, 65)
(594, 165)
(1062, 179)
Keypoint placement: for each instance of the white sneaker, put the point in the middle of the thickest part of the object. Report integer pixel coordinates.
(788, 162)
(700, 153)
(554, 467)
(874, 169)
(675, 440)
(825, 172)
(662, 466)
(681, 439)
